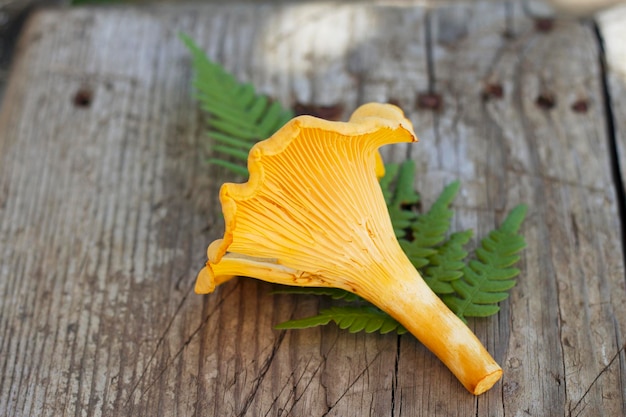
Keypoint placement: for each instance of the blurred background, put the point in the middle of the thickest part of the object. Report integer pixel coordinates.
(13, 13)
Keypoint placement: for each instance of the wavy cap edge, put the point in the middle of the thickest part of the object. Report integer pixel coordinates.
(366, 119)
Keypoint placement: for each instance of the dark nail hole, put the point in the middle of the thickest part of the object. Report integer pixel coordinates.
(580, 106)
(508, 34)
(546, 101)
(492, 90)
(333, 112)
(394, 101)
(544, 24)
(83, 98)
(430, 101)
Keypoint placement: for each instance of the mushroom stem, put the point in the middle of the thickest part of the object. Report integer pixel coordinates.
(413, 304)
(398, 289)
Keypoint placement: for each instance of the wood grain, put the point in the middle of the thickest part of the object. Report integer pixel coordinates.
(612, 32)
(106, 208)
(562, 339)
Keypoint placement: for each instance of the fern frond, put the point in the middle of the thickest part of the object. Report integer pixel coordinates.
(240, 117)
(487, 279)
(354, 319)
(429, 230)
(447, 264)
(387, 182)
(229, 140)
(231, 166)
(322, 319)
(229, 150)
(400, 195)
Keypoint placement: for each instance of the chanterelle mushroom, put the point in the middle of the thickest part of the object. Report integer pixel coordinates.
(313, 214)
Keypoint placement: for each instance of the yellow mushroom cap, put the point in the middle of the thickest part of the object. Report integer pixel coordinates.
(313, 190)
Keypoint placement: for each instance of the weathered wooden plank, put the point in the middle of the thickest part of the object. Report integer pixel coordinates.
(559, 325)
(106, 208)
(97, 221)
(560, 329)
(613, 32)
(488, 135)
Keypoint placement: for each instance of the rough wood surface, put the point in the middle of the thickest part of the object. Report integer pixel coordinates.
(613, 31)
(106, 208)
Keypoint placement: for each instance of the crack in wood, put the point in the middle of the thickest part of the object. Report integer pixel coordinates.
(617, 171)
(165, 332)
(262, 373)
(394, 385)
(606, 368)
(159, 343)
(181, 348)
(349, 387)
(306, 387)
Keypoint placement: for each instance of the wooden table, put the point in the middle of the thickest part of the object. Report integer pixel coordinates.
(107, 206)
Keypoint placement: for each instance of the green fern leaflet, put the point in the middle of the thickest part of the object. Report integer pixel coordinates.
(352, 318)
(429, 229)
(447, 264)
(400, 195)
(487, 279)
(239, 117)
